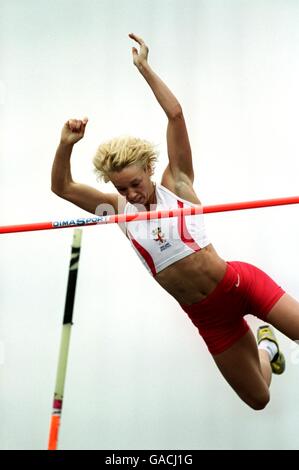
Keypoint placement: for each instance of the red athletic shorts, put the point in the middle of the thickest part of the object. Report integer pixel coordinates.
(244, 290)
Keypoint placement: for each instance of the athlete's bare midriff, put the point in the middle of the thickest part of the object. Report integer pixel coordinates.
(193, 278)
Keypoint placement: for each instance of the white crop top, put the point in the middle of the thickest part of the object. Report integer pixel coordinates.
(161, 242)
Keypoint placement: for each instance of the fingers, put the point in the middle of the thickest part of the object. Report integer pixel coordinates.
(137, 39)
(77, 125)
(74, 124)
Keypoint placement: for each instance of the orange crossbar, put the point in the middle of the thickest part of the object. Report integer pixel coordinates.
(121, 218)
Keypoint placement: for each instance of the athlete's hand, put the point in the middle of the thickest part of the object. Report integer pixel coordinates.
(139, 58)
(73, 131)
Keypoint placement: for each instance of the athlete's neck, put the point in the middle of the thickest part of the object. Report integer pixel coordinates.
(152, 198)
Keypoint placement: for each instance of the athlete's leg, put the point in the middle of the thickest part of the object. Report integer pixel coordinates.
(285, 316)
(247, 371)
(265, 365)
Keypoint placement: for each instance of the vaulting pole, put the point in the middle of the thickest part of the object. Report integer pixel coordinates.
(65, 340)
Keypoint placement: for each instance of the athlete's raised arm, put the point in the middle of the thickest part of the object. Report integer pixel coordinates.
(180, 166)
(62, 183)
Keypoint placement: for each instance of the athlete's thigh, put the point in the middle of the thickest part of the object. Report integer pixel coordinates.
(240, 366)
(285, 316)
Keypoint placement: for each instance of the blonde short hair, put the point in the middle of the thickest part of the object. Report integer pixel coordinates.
(120, 152)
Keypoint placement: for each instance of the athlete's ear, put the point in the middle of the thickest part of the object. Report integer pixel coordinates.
(148, 169)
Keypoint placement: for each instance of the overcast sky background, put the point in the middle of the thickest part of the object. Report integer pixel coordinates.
(139, 376)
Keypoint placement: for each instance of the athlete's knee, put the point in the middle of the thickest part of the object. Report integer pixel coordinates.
(260, 401)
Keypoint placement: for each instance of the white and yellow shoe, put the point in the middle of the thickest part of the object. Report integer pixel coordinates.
(278, 362)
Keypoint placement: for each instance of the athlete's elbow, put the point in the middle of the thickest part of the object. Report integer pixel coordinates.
(176, 112)
(55, 190)
(58, 192)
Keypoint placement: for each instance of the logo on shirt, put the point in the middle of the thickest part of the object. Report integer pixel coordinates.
(160, 238)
